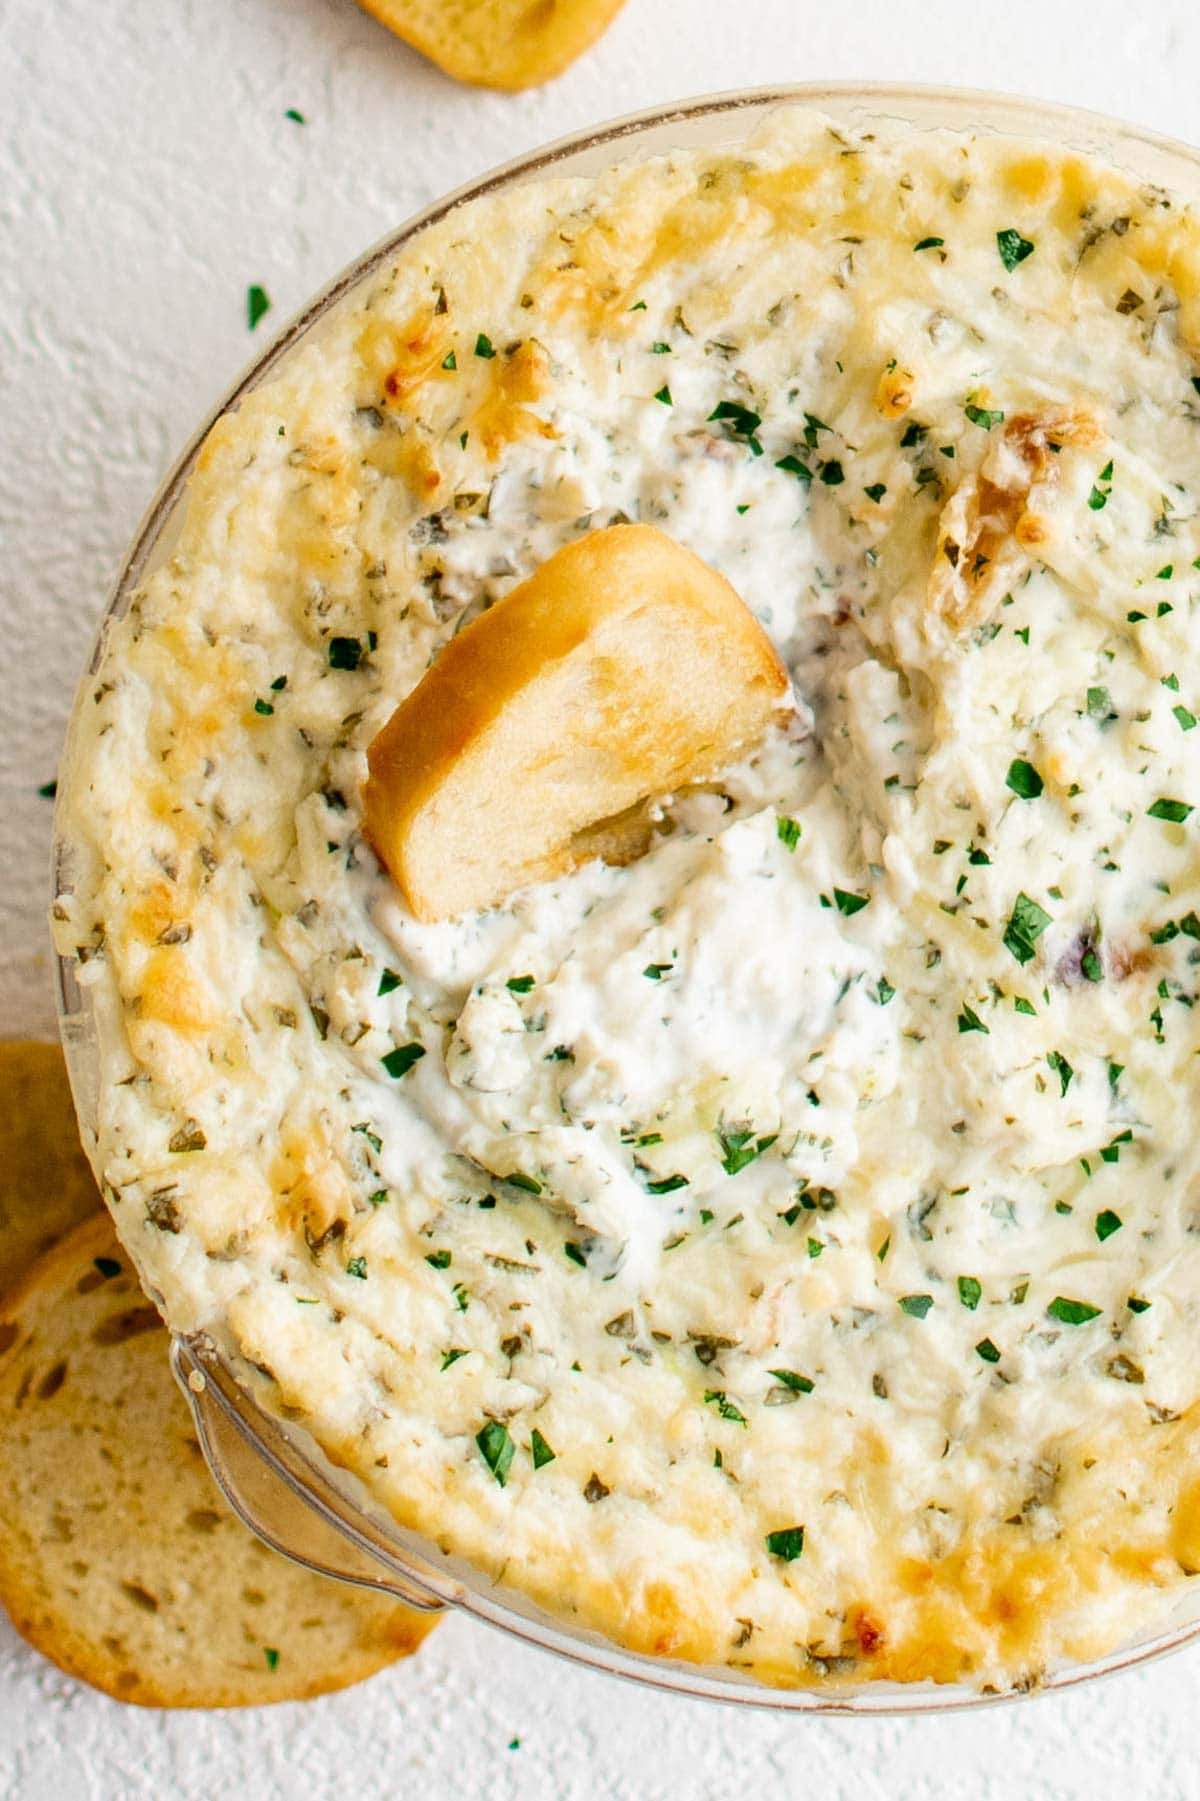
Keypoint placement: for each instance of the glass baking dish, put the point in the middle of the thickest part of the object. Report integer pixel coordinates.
(277, 1478)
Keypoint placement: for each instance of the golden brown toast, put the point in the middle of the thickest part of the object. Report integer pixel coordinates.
(498, 43)
(623, 669)
(118, 1558)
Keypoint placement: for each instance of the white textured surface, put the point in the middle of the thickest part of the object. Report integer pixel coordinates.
(147, 175)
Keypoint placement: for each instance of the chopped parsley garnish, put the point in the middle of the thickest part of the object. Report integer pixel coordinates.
(740, 421)
(484, 347)
(1021, 1005)
(372, 1138)
(438, 1260)
(1099, 704)
(258, 304)
(518, 1179)
(787, 831)
(786, 1544)
(916, 1305)
(48, 790)
(970, 1291)
(263, 708)
(660, 349)
(1024, 779)
(1025, 927)
(575, 1252)
(1136, 1305)
(664, 395)
(541, 1453)
(1091, 966)
(716, 1397)
(740, 1148)
(1061, 1068)
(849, 904)
(654, 972)
(1185, 717)
(399, 1061)
(389, 981)
(929, 244)
(987, 1350)
(496, 1448)
(452, 1356)
(357, 1266)
(1013, 247)
(379, 1197)
(272, 1657)
(791, 465)
(519, 984)
(296, 117)
(1175, 811)
(344, 653)
(666, 1185)
(799, 1385)
(969, 1021)
(875, 492)
(1165, 573)
(832, 474)
(1072, 1313)
(450, 361)
(914, 433)
(884, 991)
(1107, 1223)
(983, 416)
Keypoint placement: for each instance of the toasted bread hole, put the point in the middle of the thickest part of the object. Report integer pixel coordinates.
(51, 1382)
(126, 1679)
(124, 1326)
(79, 1567)
(9, 1335)
(86, 1283)
(203, 1519)
(253, 1597)
(141, 1597)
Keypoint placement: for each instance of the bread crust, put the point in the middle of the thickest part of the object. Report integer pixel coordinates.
(659, 672)
(532, 41)
(119, 1560)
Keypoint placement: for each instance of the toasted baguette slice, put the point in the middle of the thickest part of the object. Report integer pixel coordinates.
(118, 1558)
(498, 43)
(623, 668)
(46, 1183)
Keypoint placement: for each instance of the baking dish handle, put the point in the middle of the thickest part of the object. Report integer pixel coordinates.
(270, 1486)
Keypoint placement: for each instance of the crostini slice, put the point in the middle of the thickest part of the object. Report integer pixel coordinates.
(622, 669)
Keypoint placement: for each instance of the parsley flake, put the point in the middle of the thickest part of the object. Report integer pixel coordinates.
(786, 1544)
(496, 1448)
(399, 1061)
(540, 1451)
(929, 244)
(389, 981)
(799, 1385)
(987, 1350)
(970, 1292)
(916, 1305)
(1025, 927)
(1174, 811)
(787, 830)
(1107, 1223)
(1013, 247)
(1024, 779)
(484, 347)
(1072, 1313)
(258, 304)
(849, 904)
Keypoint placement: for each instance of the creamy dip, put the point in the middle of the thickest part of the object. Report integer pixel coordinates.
(782, 1251)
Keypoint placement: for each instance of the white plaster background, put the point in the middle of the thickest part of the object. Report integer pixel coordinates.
(147, 175)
